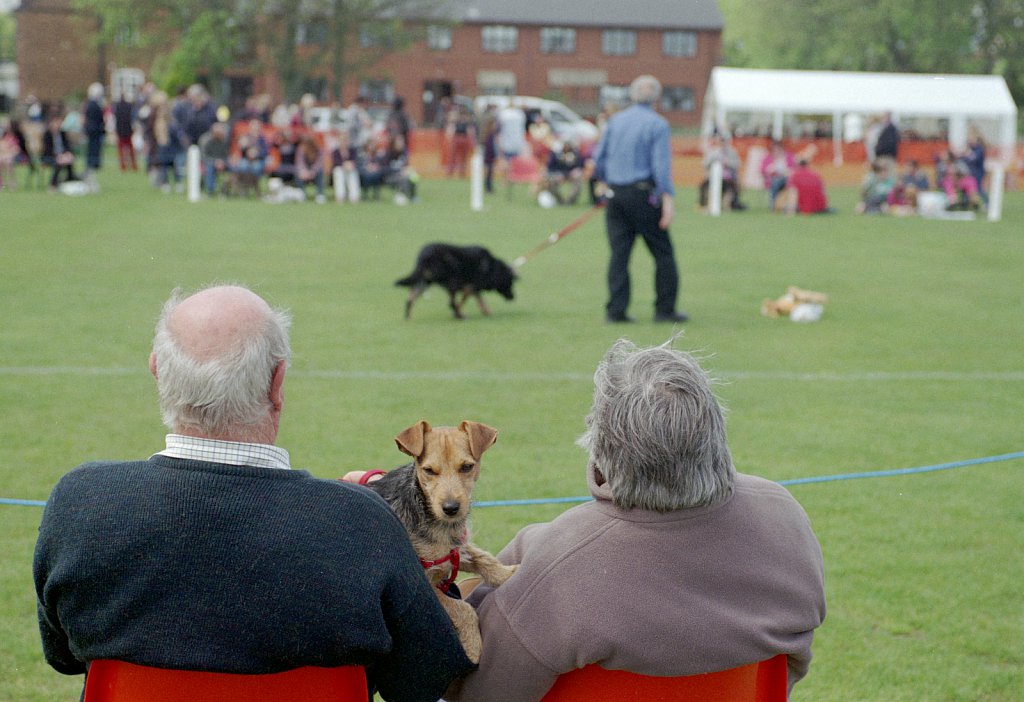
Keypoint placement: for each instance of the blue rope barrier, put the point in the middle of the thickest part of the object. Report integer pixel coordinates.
(793, 481)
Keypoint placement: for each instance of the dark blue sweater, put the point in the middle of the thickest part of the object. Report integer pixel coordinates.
(203, 566)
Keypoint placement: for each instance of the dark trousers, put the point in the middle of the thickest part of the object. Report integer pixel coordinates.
(629, 212)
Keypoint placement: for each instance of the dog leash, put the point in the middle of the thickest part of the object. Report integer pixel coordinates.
(557, 236)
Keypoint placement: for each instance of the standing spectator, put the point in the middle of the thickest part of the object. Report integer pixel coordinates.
(213, 554)
(489, 143)
(360, 125)
(215, 149)
(167, 139)
(95, 129)
(57, 153)
(9, 152)
(887, 148)
(461, 140)
(806, 191)
(679, 566)
(974, 157)
(511, 131)
(200, 115)
(124, 128)
(398, 123)
(634, 158)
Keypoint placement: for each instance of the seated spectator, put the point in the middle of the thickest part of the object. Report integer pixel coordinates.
(776, 166)
(58, 153)
(563, 177)
(214, 553)
(309, 165)
(373, 170)
(250, 161)
(215, 148)
(25, 155)
(400, 174)
(719, 150)
(902, 198)
(875, 188)
(806, 191)
(960, 187)
(9, 151)
(681, 565)
(287, 144)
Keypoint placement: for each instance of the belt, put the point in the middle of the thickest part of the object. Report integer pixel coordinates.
(644, 185)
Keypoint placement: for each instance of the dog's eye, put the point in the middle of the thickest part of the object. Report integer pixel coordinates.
(430, 471)
(466, 468)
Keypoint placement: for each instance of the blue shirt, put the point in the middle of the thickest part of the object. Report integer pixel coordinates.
(636, 145)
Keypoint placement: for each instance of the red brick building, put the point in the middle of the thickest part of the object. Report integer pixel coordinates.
(579, 53)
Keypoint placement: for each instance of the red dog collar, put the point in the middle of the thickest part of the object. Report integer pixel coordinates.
(453, 557)
(369, 474)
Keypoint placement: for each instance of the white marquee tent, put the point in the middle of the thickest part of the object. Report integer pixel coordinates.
(964, 100)
(959, 98)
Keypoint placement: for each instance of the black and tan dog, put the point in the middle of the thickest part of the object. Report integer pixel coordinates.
(461, 270)
(431, 496)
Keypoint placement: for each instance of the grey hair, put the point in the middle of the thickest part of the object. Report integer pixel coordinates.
(656, 431)
(218, 394)
(645, 90)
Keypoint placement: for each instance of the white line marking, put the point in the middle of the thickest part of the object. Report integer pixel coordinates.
(536, 376)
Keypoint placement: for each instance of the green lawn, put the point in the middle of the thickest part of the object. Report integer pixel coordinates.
(917, 361)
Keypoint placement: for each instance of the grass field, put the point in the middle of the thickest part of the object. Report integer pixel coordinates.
(917, 361)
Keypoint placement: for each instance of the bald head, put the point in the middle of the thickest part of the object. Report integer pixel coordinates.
(214, 322)
(219, 357)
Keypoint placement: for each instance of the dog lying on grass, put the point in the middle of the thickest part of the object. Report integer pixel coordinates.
(464, 270)
(432, 496)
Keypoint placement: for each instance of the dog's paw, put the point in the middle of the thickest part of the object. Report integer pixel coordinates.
(503, 573)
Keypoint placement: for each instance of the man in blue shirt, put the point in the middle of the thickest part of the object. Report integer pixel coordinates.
(634, 159)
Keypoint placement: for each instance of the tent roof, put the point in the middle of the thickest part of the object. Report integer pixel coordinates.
(828, 92)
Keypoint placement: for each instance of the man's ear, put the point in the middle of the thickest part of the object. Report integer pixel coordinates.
(152, 363)
(276, 394)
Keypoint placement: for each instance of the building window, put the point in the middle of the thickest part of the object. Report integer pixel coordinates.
(376, 36)
(679, 44)
(500, 39)
(439, 38)
(677, 99)
(377, 92)
(557, 40)
(311, 33)
(618, 42)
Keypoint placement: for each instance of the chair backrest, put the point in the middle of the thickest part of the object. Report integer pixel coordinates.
(117, 681)
(757, 682)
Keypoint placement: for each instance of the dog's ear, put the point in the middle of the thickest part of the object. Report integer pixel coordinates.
(410, 441)
(481, 437)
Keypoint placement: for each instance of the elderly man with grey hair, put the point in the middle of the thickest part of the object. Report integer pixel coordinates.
(213, 554)
(680, 565)
(634, 161)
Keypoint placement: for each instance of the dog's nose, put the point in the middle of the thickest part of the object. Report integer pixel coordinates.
(450, 507)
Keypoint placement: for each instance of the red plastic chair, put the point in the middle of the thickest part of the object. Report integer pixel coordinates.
(117, 681)
(757, 682)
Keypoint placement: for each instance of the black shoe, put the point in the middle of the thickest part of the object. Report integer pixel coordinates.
(618, 319)
(674, 317)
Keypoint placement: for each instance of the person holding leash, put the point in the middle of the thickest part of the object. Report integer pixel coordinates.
(634, 160)
(212, 554)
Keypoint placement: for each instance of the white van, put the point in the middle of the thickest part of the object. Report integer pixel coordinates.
(564, 122)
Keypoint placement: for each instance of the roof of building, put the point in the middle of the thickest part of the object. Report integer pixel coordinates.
(659, 14)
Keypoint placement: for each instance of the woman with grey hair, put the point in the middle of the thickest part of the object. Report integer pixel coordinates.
(680, 565)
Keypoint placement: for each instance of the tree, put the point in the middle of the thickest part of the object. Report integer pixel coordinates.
(913, 36)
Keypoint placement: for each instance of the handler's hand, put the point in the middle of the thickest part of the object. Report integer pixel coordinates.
(354, 476)
(668, 211)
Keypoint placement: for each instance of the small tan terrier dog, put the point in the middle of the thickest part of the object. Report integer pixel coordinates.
(432, 496)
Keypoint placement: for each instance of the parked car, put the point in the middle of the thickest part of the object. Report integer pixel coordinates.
(564, 122)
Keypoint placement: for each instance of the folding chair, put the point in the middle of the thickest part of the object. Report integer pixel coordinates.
(757, 682)
(117, 681)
